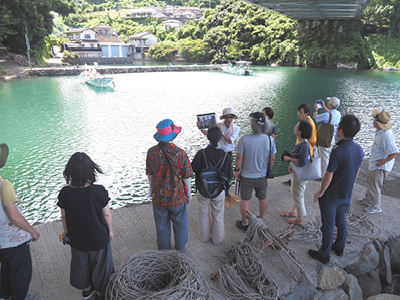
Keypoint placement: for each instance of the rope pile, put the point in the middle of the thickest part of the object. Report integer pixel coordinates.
(359, 226)
(245, 270)
(162, 275)
(308, 233)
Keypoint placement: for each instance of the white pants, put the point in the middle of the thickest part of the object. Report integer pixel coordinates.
(211, 217)
(298, 189)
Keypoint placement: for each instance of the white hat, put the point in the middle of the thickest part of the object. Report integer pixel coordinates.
(228, 111)
(335, 102)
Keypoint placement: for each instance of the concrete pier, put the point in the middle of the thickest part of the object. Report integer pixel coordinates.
(73, 71)
(135, 231)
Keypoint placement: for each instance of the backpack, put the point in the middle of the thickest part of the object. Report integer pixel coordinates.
(212, 178)
(325, 133)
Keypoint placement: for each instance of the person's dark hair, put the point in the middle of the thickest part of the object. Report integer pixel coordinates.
(305, 128)
(269, 112)
(305, 107)
(80, 170)
(214, 134)
(350, 125)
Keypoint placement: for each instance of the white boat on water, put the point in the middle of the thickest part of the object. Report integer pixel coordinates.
(240, 68)
(94, 78)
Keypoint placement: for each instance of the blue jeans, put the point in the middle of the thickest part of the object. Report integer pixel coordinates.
(16, 271)
(333, 212)
(163, 217)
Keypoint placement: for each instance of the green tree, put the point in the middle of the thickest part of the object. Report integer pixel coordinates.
(163, 50)
(35, 14)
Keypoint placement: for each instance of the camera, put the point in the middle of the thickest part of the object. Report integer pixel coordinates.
(285, 153)
(270, 175)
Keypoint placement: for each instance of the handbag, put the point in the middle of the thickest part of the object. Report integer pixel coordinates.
(311, 171)
(325, 133)
(231, 200)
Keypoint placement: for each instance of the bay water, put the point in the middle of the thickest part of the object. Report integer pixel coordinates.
(45, 120)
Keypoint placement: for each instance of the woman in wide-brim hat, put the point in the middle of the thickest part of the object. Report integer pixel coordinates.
(168, 169)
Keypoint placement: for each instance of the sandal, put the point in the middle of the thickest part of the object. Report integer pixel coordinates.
(294, 221)
(288, 214)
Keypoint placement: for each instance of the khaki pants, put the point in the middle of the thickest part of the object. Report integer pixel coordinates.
(375, 179)
(211, 216)
(298, 189)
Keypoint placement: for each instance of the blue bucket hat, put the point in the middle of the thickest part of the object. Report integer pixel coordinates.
(166, 131)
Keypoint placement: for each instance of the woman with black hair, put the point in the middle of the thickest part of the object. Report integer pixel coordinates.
(87, 221)
(298, 155)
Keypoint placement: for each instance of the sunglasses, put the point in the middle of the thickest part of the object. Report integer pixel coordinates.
(229, 117)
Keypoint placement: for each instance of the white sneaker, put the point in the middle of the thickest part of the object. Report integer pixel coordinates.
(363, 202)
(372, 210)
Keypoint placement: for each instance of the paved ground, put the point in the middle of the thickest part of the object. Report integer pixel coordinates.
(134, 231)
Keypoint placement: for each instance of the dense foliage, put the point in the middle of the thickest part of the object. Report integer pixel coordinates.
(36, 16)
(230, 30)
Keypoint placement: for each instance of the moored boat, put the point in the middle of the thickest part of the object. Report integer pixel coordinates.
(92, 77)
(240, 68)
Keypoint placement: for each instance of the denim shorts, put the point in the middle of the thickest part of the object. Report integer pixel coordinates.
(248, 184)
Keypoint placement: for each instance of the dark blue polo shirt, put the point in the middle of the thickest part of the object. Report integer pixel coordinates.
(344, 162)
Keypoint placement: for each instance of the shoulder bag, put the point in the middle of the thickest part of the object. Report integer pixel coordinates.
(311, 171)
(325, 133)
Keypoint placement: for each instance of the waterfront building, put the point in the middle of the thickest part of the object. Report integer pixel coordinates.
(140, 43)
(83, 42)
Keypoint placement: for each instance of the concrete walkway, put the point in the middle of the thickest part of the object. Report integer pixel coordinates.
(134, 231)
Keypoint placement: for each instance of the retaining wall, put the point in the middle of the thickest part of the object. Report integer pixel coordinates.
(115, 70)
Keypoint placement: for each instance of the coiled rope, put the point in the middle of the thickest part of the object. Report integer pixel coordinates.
(244, 275)
(358, 226)
(162, 275)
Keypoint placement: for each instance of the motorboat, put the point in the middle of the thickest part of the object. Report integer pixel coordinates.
(94, 78)
(238, 68)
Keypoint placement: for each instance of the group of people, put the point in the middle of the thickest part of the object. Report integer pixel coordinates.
(86, 215)
(255, 156)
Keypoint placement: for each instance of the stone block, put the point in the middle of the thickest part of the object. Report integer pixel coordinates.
(337, 294)
(368, 260)
(384, 297)
(352, 288)
(384, 266)
(331, 278)
(370, 284)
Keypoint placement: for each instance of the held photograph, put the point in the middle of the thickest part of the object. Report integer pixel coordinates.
(207, 120)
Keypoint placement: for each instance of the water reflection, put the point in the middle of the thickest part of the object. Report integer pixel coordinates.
(46, 120)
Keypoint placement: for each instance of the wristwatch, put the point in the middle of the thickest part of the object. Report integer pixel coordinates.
(236, 170)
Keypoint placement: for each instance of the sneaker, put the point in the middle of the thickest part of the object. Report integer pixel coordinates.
(315, 254)
(87, 294)
(239, 224)
(363, 202)
(372, 210)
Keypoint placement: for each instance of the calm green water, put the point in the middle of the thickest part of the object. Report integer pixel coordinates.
(45, 120)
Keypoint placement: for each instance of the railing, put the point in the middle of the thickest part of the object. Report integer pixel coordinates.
(85, 49)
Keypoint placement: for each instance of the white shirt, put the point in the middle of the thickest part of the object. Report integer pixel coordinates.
(384, 145)
(232, 132)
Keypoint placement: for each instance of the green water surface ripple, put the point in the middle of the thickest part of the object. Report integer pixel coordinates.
(45, 120)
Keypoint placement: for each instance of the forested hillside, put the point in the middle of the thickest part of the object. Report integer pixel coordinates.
(230, 30)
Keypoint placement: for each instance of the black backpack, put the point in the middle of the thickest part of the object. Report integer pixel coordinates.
(212, 178)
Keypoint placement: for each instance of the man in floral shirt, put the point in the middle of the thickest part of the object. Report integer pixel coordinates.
(168, 169)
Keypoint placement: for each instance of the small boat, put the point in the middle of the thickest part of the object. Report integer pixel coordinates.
(94, 78)
(240, 68)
